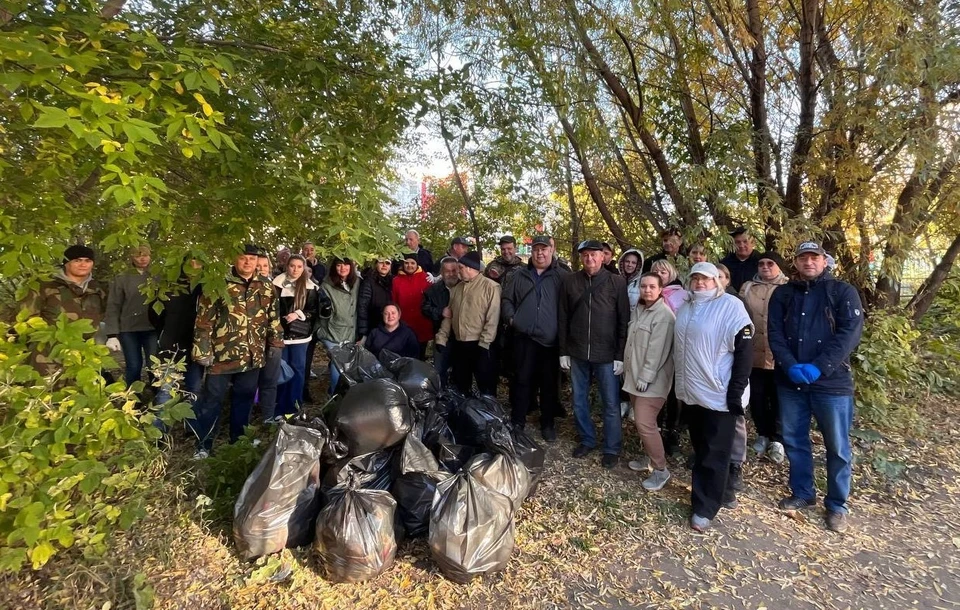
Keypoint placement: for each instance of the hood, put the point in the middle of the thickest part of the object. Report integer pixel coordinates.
(402, 272)
(60, 275)
(639, 264)
(778, 281)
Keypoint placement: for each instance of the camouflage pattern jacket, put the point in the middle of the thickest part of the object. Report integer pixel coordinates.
(234, 335)
(59, 295)
(500, 270)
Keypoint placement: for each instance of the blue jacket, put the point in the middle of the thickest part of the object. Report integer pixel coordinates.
(817, 322)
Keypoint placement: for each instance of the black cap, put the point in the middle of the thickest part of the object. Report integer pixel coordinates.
(77, 251)
(738, 231)
(410, 255)
(251, 249)
(775, 257)
(589, 244)
(670, 231)
(460, 241)
(541, 240)
(507, 239)
(471, 259)
(606, 246)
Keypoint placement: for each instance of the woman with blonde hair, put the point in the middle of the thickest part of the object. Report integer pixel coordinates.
(648, 373)
(673, 292)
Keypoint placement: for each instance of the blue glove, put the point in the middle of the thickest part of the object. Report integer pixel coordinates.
(795, 373)
(809, 372)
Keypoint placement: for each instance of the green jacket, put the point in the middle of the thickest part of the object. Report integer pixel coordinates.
(127, 307)
(234, 335)
(341, 325)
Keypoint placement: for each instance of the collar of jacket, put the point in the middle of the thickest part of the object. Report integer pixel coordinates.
(281, 279)
(62, 277)
(234, 278)
(779, 280)
(597, 274)
(553, 265)
(419, 270)
(826, 276)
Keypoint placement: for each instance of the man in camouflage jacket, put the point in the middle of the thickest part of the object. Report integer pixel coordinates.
(72, 291)
(231, 339)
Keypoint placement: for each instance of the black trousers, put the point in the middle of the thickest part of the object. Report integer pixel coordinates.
(711, 433)
(671, 420)
(469, 362)
(764, 404)
(536, 373)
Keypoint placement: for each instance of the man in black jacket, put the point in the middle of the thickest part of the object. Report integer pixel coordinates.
(529, 306)
(435, 308)
(743, 261)
(424, 257)
(593, 315)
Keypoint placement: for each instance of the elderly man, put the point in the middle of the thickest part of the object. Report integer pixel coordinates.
(742, 262)
(671, 241)
(813, 324)
(529, 306)
(458, 247)
(424, 257)
(317, 269)
(128, 325)
(234, 338)
(471, 327)
(594, 311)
(435, 308)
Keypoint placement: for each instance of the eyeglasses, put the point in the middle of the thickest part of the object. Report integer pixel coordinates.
(766, 264)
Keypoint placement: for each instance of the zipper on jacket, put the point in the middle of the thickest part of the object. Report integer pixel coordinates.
(589, 316)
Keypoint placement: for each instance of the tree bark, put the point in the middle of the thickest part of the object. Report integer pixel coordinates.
(461, 186)
(572, 205)
(806, 83)
(921, 302)
(112, 8)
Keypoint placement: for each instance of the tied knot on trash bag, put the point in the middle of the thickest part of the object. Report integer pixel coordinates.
(355, 365)
(418, 379)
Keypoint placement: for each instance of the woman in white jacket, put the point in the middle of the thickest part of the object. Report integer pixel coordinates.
(648, 373)
(713, 355)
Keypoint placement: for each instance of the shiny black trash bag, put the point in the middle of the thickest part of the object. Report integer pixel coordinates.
(372, 416)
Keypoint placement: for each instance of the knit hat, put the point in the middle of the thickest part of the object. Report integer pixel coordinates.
(410, 255)
(775, 257)
(471, 259)
(141, 250)
(77, 251)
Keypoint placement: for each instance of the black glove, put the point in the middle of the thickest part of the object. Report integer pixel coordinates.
(735, 406)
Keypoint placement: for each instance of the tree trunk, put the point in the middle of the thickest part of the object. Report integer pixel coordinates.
(462, 187)
(807, 85)
(572, 204)
(922, 301)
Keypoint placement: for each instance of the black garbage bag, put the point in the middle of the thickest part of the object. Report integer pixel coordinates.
(419, 380)
(334, 449)
(503, 473)
(355, 533)
(470, 419)
(531, 454)
(280, 499)
(471, 528)
(452, 457)
(355, 365)
(415, 485)
(372, 416)
(375, 470)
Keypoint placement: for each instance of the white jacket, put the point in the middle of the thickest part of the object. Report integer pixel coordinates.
(703, 350)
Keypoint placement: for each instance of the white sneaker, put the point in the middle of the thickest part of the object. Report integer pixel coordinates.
(639, 465)
(776, 453)
(657, 480)
(760, 445)
(256, 442)
(632, 417)
(201, 454)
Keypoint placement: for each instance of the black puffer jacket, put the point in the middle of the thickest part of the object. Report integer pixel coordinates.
(593, 328)
(435, 299)
(375, 293)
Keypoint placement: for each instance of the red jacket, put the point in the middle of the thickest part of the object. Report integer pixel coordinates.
(408, 294)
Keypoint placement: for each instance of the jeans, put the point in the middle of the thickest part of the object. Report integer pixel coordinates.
(290, 393)
(834, 415)
(580, 374)
(441, 362)
(137, 348)
(267, 385)
(209, 406)
(536, 373)
(334, 373)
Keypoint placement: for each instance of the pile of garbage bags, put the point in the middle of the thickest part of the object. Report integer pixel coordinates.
(396, 456)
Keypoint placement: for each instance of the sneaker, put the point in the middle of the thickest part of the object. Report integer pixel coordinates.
(549, 434)
(201, 454)
(794, 503)
(729, 499)
(581, 451)
(639, 465)
(775, 453)
(624, 408)
(691, 461)
(657, 480)
(760, 445)
(836, 522)
(256, 442)
(631, 416)
(609, 460)
(700, 524)
(736, 476)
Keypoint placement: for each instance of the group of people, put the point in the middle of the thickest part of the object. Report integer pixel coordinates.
(678, 342)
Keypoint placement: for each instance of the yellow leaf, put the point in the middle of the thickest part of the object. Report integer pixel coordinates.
(207, 109)
(41, 554)
(199, 98)
(187, 152)
(178, 87)
(134, 62)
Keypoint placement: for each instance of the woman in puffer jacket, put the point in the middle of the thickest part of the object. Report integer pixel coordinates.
(648, 373)
(713, 355)
(299, 310)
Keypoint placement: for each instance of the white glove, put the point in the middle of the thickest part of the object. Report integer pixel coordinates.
(618, 367)
(642, 386)
(565, 362)
(433, 279)
(113, 344)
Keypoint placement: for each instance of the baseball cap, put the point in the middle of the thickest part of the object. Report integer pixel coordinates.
(810, 246)
(541, 240)
(460, 241)
(706, 269)
(507, 239)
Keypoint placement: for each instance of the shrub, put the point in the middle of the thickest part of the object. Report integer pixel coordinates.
(78, 455)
